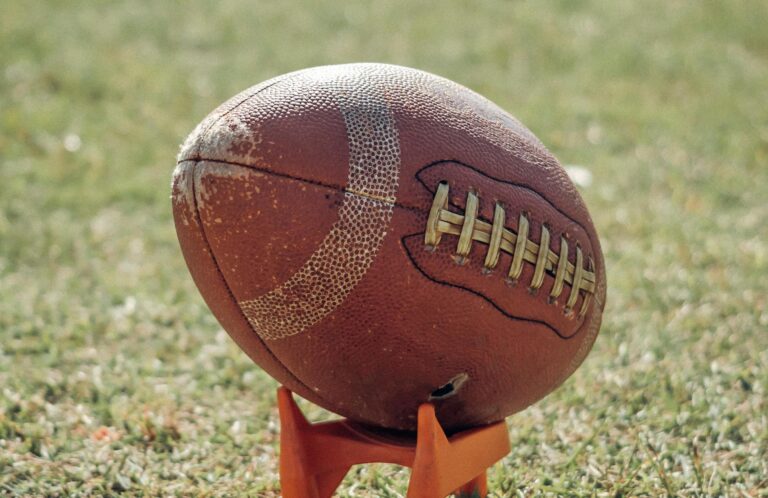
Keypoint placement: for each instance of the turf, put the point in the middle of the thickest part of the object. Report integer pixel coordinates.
(114, 376)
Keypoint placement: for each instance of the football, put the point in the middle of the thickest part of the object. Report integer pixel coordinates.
(376, 237)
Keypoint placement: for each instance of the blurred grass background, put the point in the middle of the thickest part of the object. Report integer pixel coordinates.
(114, 377)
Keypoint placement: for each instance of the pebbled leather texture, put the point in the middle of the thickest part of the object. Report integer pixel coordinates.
(301, 206)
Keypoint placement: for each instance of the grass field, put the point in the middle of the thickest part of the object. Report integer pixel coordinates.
(114, 376)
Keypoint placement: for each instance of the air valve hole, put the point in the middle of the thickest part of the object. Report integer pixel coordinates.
(450, 388)
(442, 391)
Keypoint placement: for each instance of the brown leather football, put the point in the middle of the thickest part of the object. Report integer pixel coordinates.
(376, 237)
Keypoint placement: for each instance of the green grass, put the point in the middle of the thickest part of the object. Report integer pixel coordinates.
(666, 103)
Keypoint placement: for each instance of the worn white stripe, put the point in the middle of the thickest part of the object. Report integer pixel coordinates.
(347, 252)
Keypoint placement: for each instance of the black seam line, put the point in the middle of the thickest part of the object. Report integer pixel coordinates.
(329, 186)
(489, 301)
(232, 295)
(514, 184)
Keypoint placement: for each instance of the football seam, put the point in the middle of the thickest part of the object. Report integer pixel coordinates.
(329, 186)
(232, 295)
(343, 189)
(480, 295)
